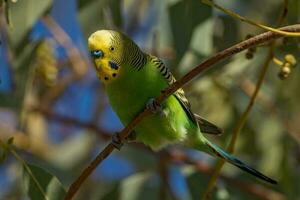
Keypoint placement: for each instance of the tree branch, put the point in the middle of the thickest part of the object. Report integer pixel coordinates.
(259, 39)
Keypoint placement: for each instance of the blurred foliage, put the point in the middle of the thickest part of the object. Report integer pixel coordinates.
(192, 13)
(59, 123)
(43, 186)
(24, 14)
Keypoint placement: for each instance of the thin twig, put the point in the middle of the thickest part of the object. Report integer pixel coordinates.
(237, 16)
(265, 37)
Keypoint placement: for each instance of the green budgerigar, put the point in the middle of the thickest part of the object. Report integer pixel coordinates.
(133, 79)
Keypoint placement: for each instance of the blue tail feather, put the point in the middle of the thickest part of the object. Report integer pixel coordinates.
(236, 162)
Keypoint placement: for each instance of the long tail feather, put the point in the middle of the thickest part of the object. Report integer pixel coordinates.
(231, 159)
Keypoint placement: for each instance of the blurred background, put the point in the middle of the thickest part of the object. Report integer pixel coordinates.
(56, 109)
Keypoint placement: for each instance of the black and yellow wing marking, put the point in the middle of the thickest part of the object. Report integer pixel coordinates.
(204, 125)
(179, 94)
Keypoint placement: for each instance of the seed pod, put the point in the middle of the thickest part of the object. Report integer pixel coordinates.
(250, 52)
(46, 64)
(249, 55)
(284, 72)
(289, 58)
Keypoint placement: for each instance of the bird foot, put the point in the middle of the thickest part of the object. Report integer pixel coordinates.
(131, 137)
(155, 107)
(118, 143)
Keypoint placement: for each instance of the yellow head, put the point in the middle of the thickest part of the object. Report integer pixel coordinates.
(114, 54)
(107, 49)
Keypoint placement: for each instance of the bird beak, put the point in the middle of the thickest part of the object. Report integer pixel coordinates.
(103, 70)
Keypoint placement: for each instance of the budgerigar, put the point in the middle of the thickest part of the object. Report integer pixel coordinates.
(133, 79)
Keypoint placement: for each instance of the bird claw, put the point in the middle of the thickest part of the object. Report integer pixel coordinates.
(131, 137)
(155, 107)
(116, 141)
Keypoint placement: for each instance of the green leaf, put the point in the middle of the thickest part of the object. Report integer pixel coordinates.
(3, 154)
(7, 11)
(184, 17)
(22, 66)
(63, 155)
(116, 14)
(100, 14)
(224, 36)
(91, 17)
(202, 39)
(4, 150)
(131, 187)
(193, 180)
(40, 184)
(10, 140)
(114, 193)
(132, 155)
(201, 46)
(24, 14)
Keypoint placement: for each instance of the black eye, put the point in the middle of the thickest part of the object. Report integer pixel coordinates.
(112, 48)
(97, 54)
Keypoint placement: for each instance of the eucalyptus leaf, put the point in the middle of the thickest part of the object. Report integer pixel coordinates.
(131, 187)
(40, 184)
(91, 17)
(7, 11)
(184, 17)
(223, 36)
(10, 141)
(63, 155)
(114, 193)
(116, 12)
(21, 66)
(24, 14)
(197, 183)
(3, 154)
(100, 14)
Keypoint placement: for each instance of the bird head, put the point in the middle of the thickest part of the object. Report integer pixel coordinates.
(114, 55)
(108, 50)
